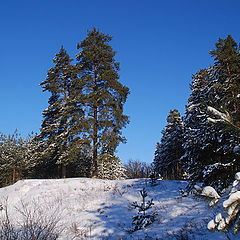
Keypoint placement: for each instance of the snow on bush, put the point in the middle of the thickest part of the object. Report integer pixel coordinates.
(210, 192)
(232, 206)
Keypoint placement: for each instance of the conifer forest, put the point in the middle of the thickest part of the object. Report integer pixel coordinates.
(81, 128)
(82, 125)
(202, 146)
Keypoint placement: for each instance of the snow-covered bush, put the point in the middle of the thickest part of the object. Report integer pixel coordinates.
(143, 218)
(232, 206)
(110, 167)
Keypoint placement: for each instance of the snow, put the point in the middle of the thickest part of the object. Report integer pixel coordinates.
(101, 209)
(211, 225)
(223, 116)
(210, 192)
(233, 198)
(218, 218)
(237, 177)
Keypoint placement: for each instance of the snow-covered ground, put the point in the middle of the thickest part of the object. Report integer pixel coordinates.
(101, 209)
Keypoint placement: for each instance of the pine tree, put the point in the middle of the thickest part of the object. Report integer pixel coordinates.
(226, 72)
(169, 151)
(55, 135)
(98, 89)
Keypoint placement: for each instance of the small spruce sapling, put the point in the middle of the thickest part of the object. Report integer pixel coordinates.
(143, 218)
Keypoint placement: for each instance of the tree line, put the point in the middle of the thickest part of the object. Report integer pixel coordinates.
(82, 125)
(200, 146)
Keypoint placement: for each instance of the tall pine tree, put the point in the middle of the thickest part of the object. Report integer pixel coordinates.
(227, 77)
(98, 89)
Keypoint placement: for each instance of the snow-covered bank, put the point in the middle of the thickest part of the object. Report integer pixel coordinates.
(101, 209)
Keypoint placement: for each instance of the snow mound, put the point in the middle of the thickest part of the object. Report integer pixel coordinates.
(101, 209)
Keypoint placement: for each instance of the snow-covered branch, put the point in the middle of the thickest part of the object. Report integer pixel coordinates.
(222, 117)
(232, 206)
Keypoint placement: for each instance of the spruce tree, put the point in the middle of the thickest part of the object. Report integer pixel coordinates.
(225, 89)
(169, 151)
(55, 135)
(98, 89)
(209, 148)
(198, 135)
(144, 218)
(204, 143)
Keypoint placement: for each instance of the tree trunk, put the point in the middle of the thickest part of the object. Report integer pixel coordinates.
(64, 170)
(13, 175)
(233, 93)
(95, 128)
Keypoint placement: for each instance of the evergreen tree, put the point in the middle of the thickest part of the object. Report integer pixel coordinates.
(224, 90)
(209, 154)
(18, 157)
(143, 218)
(204, 143)
(110, 167)
(226, 75)
(198, 134)
(169, 151)
(55, 135)
(98, 89)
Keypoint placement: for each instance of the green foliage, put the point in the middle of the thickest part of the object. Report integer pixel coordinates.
(55, 132)
(18, 157)
(98, 89)
(85, 115)
(169, 151)
(209, 140)
(143, 218)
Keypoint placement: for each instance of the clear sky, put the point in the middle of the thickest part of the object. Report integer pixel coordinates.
(159, 44)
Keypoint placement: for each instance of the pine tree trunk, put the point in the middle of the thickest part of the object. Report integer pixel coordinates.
(95, 129)
(13, 175)
(18, 174)
(64, 170)
(233, 93)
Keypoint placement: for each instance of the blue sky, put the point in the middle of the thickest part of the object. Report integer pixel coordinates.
(159, 44)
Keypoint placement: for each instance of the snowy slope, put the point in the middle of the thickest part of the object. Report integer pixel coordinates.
(101, 209)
